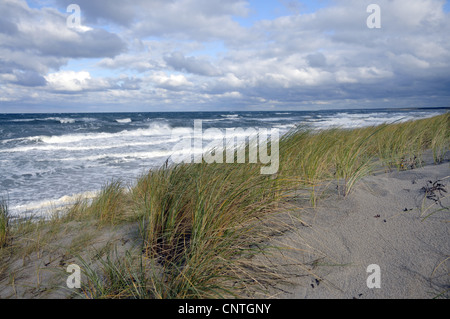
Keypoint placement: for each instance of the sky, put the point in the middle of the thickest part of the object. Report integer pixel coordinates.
(216, 55)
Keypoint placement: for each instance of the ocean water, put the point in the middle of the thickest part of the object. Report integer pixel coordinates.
(46, 160)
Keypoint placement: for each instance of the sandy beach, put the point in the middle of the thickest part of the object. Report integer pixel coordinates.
(383, 222)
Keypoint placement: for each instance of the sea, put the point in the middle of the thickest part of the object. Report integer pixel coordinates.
(49, 160)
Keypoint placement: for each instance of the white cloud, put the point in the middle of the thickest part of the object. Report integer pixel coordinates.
(38, 40)
(170, 82)
(68, 80)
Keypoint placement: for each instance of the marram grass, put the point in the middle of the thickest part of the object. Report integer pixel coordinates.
(197, 218)
(4, 223)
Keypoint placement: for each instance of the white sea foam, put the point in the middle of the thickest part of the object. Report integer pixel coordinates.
(285, 126)
(47, 207)
(131, 156)
(56, 147)
(346, 120)
(123, 121)
(272, 119)
(230, 116)
(60, 120)
(155, 129)
(22, 120)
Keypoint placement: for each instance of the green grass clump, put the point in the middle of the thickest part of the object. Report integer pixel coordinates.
(117, 277)
(4, 223)
(109, 207)
(197, 218)
(438, 137)
(315, 157)
(351, 158)
(401, 145)
(305, 158)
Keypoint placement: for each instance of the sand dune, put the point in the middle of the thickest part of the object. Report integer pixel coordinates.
(381, 222)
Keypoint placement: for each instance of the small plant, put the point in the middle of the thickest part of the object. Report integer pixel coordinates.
(108, 206)
(352, 157)
(4, 223)
(408, 162)
(434, 191)
(117, 277)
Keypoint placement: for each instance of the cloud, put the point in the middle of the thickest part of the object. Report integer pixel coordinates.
(76, 82)
(69, 81)
(86, 44)
(191, 19)
(175, 82)
(29, 78)
(140, 62)
(193, 65)
(35, 41)
(316, 60)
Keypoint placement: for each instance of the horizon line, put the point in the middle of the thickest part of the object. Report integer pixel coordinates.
(231, 111)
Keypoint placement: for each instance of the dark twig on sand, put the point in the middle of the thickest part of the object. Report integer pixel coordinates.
(434, 191)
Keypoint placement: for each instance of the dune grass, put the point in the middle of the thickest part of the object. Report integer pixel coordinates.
(199, 224)
(116, 277)
(108, 207)
(401, 145)
(4, 223)
(196, 218)
(305, 158)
